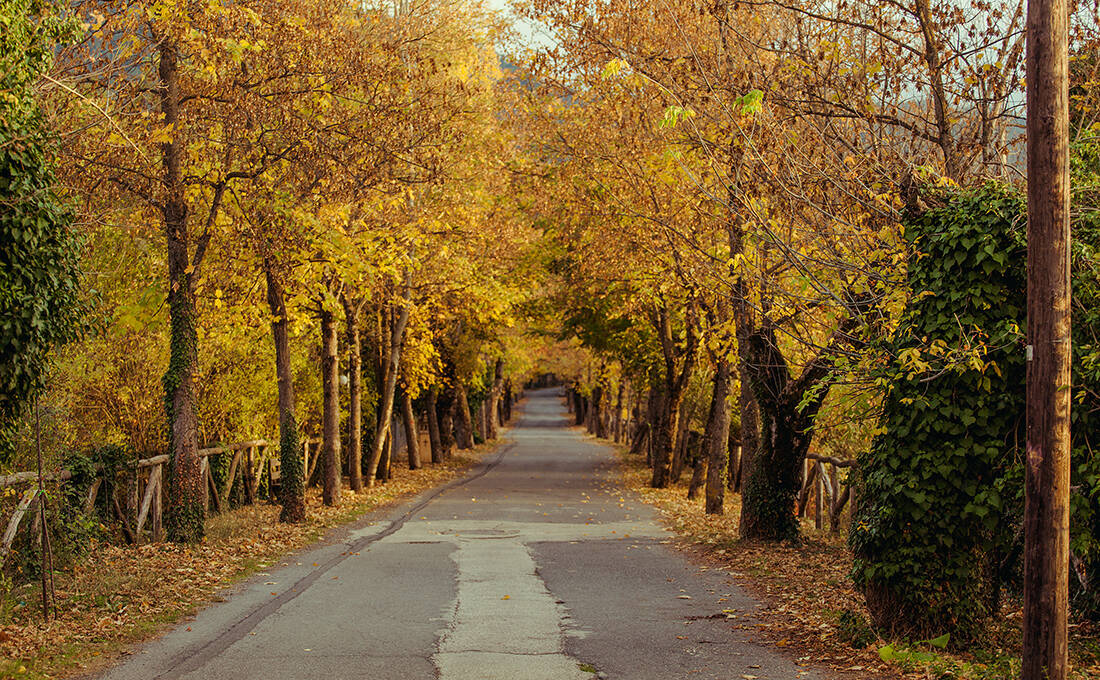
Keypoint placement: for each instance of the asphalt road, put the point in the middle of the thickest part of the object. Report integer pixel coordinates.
(532, 567)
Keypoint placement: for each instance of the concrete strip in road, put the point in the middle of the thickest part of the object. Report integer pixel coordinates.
(506, 624)
(431, 531)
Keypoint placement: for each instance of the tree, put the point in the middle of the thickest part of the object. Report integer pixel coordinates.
(41, 288)
(936, 516)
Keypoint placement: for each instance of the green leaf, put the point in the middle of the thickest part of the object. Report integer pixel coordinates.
(673, 116)
(750, 103)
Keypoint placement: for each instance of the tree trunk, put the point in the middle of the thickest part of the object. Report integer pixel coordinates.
(750, 432)
(733, 476)
(434, 438)
(698, 465)
(389, 387)
(383, 472)
(743, 315)
(675, 385)
(595, 405)
(680, 447)
(786, 424)
(291, 472)
(483, 420)
(465, 419)
(716, 440)
(617, 422)
(494, 400)
(603, 416)
(656, 412)
(769, 493)
(664, 441)
(641, 438)
(412, 437)
(509, 401)
(330, 416)
(355, 407)
(185, 508)
(448, 402)
(1049, 399)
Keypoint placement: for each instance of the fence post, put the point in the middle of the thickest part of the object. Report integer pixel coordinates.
(818, 493)
(204, 468)
(158, 498)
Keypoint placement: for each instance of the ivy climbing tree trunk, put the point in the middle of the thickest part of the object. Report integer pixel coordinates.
(291, 472)
(186, 509)
(716, 440)
(330, 416)
(788, 407)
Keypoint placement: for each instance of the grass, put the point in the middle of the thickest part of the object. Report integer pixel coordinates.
(119, 595)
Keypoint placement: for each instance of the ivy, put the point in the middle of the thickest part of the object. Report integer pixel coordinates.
(933, 511)
(937, 534)
(40, 287)
(1085, 502)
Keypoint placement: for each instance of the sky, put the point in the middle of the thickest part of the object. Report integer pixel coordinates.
(528, 31)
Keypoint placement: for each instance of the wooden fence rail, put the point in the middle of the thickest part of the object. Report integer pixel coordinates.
(145, 487)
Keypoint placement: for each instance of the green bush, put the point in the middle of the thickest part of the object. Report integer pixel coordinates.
(937, 534)
(40, 286)
(932, 516)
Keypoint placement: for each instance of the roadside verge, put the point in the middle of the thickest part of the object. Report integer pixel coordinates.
(121, 595)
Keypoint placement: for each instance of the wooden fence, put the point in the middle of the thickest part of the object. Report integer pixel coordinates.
(821, 480)
(145, 488)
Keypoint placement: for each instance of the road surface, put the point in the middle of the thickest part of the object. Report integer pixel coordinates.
(532, 567)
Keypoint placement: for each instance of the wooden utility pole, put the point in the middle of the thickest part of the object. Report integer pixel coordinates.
(1046, 512)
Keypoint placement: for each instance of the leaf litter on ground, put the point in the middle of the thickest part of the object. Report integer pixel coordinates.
(811, 607)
